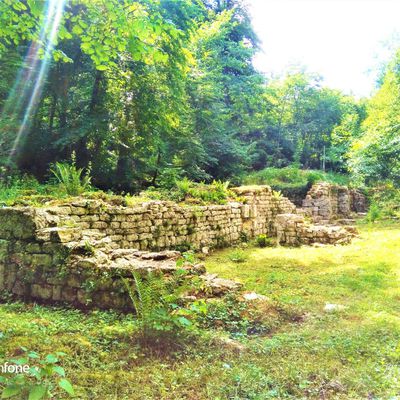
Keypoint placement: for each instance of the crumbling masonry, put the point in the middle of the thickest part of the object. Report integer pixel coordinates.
(78, 252)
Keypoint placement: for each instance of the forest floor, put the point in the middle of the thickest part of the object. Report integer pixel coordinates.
(349, 352)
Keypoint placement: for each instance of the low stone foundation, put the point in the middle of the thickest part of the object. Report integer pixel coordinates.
(51, 268)
(294, 230)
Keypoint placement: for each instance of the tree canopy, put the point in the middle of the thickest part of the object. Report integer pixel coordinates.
(146, 92)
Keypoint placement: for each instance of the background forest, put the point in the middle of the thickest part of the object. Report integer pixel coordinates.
(144, 93)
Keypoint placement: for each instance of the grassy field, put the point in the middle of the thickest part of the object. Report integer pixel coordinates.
(308, 352)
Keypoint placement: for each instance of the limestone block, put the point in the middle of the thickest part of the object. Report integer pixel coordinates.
(99, 225)
(69, 294)
(78, 211)
(41, 260)
(42, 291)
(245, 211)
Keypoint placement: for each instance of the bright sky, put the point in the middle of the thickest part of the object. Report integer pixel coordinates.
(343, 40)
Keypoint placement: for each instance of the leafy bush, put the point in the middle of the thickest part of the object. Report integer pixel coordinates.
(239, 318)
(25, 187)
(217, 192)
(262, 240)
(184, 186)
(374, 213)
(72, 179)
(185, 190)
(41, 381)
(277, 194)
(265, 241)
(384, 202)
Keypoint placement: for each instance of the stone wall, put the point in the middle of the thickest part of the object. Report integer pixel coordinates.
(158, 225)
(294, 230)
(64, 264)
(78, 252)
(327, 202)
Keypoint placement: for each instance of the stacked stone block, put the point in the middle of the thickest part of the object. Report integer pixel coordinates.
(326, 202)
(294, 230)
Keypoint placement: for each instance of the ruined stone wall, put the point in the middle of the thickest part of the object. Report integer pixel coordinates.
(294, 230)
(328, 202)
(158, 225)
(59, 264)
(78, 252)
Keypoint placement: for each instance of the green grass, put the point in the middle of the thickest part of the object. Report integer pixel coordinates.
(292, 178)
(349, 354)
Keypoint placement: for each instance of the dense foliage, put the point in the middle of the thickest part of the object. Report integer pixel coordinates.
(147, 92)
(375, 156)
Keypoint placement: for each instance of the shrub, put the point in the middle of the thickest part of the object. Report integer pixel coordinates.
(24, 188)
(217, 192)
(184, 186)
(384, 202)
(188, 257)
(72, 179)
(89, 248)
(262, 240)
(374, 213)
(277, 194)
(314, 177)
(244, 237)
(239, 318)
(42, 380)
(265, 241)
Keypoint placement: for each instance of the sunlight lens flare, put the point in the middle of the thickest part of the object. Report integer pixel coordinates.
(26, 93)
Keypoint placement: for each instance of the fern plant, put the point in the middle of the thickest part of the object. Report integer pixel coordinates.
(277, 194)
(72, 179)
(156, 302)
(184, 187)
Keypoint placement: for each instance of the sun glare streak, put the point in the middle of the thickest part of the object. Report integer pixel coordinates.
(25, 95)
(31, 61)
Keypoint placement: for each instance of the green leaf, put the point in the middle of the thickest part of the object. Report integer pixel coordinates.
(86, 47)
(102, 67)
(34, 371)
(37, 392)
(59, 370)
(20, 361)
(77, 30)
(51, 359)
(36, 7)
(10, 391)
(184, 321)
(66, 385)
